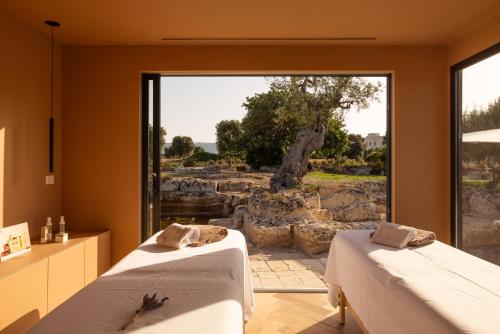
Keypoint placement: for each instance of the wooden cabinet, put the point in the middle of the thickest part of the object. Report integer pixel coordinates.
(24, 298)
(33, 284)
(97, 256)
(66, 274)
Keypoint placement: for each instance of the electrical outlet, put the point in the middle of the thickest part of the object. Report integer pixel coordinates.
(49, 179)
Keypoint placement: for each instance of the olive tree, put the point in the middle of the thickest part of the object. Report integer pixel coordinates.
(313, 101)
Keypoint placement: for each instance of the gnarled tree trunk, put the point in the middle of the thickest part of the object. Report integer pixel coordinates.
(294, 165)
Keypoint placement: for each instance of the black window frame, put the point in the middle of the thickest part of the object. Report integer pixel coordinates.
(456, 129)
(145, 79)
(145, 121)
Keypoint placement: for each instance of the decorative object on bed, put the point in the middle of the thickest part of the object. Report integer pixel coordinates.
(393, 235)
(210, 234)
(15, 241)
(178, 236)
(148, 304)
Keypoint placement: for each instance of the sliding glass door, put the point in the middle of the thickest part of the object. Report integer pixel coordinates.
(150, 154)
(476, 154)
(223, 154)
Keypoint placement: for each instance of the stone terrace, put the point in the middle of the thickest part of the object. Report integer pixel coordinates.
(286, 268)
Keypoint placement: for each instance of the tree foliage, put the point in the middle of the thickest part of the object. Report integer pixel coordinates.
(377, 157)
(336, 141)
(356, 147)
(480, 120)
(265, 137)
(313, 101)
(163, 133)
(229, 139)
(181, 146)
(274, 119)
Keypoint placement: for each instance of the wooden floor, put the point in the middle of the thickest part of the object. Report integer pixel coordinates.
(304, 313)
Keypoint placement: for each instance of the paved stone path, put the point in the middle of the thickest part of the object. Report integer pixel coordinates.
(286, 268)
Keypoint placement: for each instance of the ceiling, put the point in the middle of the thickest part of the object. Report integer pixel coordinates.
(148, 21)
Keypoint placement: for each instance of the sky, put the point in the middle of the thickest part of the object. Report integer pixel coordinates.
(192, 106)
(481, 83)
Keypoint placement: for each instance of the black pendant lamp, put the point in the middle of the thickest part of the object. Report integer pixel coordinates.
(52, 25)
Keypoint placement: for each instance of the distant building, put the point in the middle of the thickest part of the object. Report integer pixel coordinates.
(373, 140)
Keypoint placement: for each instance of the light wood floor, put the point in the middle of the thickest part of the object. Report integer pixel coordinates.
(290, 313)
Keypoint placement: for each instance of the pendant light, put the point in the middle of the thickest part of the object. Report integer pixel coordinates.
(52, 25)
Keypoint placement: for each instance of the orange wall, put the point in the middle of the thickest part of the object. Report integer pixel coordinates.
(477, 40)
(24, 126)
(101, 154)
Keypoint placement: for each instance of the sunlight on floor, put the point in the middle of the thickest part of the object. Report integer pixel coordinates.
(291, 313)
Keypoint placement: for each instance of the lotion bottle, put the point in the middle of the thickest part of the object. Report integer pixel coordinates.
(49, 229)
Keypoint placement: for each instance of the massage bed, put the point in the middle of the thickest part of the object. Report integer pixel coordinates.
(209, 290)
(430, 289)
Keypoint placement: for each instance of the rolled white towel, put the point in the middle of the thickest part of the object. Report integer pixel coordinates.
(394, 235)
(178, 236)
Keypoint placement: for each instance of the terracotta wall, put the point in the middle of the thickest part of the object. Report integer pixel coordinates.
(24, 126)
(475, 41)
(101, 153)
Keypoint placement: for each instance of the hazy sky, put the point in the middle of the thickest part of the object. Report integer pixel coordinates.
(481, 83)
(192, 106)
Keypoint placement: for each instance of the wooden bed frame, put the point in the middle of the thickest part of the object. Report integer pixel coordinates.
(343, 304)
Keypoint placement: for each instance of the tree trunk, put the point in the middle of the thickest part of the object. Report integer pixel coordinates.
(294, 165)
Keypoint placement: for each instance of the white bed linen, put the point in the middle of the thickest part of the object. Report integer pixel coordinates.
(431, 289)
(209, 290)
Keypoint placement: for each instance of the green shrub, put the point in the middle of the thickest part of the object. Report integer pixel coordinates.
(200, 159)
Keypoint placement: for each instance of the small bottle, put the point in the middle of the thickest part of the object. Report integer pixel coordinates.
(49, 229)
(43, 235)
(62, 236)
(62, 226)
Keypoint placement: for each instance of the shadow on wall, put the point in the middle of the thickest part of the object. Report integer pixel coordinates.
(22, 324)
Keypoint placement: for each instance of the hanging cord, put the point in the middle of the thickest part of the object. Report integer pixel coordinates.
(52, 73)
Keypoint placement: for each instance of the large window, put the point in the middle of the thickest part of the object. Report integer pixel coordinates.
(287, 160)
(476, 154)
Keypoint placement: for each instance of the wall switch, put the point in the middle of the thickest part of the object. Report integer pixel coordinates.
(49, 179)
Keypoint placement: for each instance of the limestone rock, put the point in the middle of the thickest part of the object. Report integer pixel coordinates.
(224, 222)
(312, 199)
(212, 169)
(235, 185)
(322, 214)
(348, 203)
(238, 216)
(480, 201)
(196, 196)
(481, 233)
(316, 237)
(265, 232)
(283, 204)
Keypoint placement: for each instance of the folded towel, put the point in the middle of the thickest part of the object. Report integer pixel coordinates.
(178, 236)
(393, 235)
(422, 238)
(209, 234)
